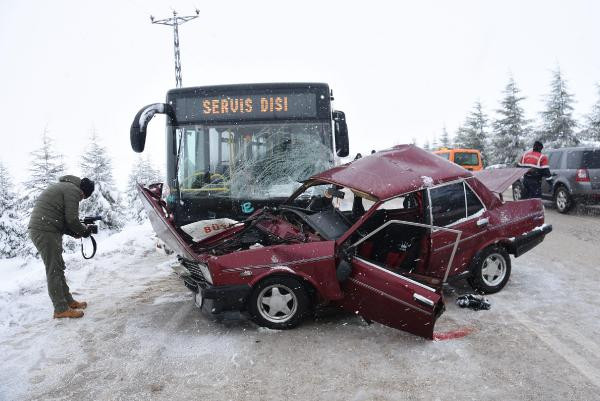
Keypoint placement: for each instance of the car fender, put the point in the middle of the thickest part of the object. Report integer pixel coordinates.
(332, 292)
(561, 181)
(503, 242)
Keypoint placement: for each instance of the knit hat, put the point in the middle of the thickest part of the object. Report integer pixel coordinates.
(87, 186)
(538, 146)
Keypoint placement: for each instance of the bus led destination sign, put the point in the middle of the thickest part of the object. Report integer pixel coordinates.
(248, 107)
(267, 104)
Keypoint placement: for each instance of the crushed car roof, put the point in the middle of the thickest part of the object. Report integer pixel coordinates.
(392, 172)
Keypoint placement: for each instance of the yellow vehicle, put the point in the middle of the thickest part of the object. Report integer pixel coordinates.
(469, 159)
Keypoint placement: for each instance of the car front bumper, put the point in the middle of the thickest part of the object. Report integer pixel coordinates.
(214, 300)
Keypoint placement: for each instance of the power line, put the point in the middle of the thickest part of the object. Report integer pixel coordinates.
(175, 21)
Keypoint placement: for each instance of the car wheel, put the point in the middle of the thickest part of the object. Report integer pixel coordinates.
(278, 303)
(490, 270)
(517, 190)
(563, 200)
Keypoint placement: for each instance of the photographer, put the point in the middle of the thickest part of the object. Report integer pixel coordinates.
(56, 212)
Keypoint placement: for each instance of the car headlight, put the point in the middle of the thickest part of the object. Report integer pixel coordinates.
(206, 272)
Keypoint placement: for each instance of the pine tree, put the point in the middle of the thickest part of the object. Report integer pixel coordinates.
(13, 231)
(558, 124)
(510, 127)
(435, 145)
(591, 130)
(46, 168)
(473, 134)
(106, 200)
(142, 172)
(445, 139)
(427, 145)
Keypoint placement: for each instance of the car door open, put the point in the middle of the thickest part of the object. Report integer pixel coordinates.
(377, 291)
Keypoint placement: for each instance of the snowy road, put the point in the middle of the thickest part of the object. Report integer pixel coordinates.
(142, 339)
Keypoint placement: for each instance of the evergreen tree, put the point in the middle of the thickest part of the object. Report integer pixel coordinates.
(13, 231)
(142, 172)
(46, 168)
(473, 134)
(106, 200)
(510, 127)
(558, 124)
(435, 145)
(591, 130)
(427, 145)
(445, 140)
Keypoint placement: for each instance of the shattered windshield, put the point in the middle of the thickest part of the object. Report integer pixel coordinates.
(251, 161)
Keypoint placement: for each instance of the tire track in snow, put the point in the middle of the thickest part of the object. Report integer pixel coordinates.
(573, 358)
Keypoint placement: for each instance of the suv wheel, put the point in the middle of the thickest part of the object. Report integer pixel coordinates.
(490, 270)
(278, 303)
(517, 190)
(563, 200)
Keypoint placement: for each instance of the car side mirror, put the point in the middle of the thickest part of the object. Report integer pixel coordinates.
(342, 145)
(137, 132)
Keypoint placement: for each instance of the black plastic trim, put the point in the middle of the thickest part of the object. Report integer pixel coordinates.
(528, 241)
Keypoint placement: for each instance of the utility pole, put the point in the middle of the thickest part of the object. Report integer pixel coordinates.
(175, 21)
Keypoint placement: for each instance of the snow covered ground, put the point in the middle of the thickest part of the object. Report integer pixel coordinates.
(29, 338)
(142, 338)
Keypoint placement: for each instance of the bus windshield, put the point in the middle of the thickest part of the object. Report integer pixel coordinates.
(250, 161)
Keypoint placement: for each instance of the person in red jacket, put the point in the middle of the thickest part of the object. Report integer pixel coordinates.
(537, 162)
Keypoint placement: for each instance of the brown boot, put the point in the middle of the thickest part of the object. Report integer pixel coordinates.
(68, 313)
(77, 305)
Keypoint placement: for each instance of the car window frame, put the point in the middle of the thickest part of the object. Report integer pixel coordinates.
(466, 218)
(431, 228)
(559, 161)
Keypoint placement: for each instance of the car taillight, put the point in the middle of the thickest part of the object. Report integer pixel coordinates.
(582, 175)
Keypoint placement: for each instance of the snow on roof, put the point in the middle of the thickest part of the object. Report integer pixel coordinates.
(395, 171)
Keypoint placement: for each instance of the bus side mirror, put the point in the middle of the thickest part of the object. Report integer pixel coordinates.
(342, 146)
(137, 133)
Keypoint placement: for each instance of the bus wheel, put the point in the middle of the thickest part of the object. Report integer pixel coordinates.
(278, 303)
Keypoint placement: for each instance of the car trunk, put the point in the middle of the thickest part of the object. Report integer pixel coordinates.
(498, 180)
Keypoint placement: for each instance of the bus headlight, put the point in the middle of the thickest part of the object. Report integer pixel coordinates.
(206, 272)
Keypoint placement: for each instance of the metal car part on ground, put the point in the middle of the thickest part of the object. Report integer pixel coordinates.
(379, 237)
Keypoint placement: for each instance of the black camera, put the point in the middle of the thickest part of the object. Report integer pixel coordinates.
(89, 222)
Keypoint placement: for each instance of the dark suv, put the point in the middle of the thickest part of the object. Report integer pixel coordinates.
(575, 177)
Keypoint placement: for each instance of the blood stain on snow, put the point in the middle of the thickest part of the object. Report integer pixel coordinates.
(452, 334)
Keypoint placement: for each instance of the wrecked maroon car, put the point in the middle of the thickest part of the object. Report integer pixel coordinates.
(379, 237)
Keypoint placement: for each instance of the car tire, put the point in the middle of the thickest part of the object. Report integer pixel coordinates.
(278, 302)
(563, 199)
(517, 190)
(490, 270)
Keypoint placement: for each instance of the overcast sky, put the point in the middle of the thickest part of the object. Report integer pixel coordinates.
(400, 70)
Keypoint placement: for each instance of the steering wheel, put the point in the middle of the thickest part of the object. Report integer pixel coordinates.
(296, 208)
